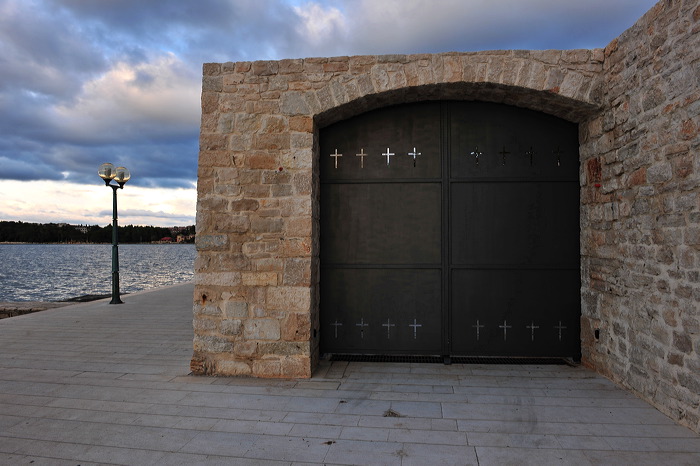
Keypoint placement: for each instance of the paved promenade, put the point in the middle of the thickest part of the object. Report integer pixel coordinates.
(97, 383)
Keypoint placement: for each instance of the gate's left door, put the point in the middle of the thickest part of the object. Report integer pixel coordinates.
(381, 233)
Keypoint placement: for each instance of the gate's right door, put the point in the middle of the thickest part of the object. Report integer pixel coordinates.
(513, 233)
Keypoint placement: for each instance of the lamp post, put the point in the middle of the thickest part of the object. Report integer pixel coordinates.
(121, 175)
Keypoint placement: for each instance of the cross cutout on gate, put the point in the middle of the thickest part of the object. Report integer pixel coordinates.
(387, 155)
(336, 155)
(558, 153)
(414, 154)
(336, 324)
(532, 328)
(505, 328)
(477, 153)
(362, 160)
(388, 326)
(503, 155)
(559, 327)
(362, 324)
(530, 154)
(477, 327)
(415, 327)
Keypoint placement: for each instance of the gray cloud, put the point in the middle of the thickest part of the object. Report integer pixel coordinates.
(84, 82)
(430, 26)
(43, 52)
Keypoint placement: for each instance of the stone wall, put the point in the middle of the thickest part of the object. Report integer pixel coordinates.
(256, 295)
(640, 214)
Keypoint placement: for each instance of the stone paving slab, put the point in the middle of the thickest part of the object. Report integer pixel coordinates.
(95, 383)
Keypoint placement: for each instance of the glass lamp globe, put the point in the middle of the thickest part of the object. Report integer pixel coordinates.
(122, 175)
(107, 172)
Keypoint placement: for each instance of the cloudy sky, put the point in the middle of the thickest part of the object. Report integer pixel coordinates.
(84, 82)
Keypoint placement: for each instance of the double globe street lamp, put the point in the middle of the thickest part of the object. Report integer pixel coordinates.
(121, 175)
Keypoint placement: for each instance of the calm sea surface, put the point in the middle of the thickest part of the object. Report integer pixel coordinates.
(54, 272)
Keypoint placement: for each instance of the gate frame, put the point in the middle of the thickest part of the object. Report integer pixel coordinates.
(447, 181)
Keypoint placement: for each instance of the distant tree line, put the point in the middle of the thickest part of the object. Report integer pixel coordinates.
(21, 232)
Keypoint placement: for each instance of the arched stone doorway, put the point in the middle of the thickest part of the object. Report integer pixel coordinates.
(450, 228)
(257, 297)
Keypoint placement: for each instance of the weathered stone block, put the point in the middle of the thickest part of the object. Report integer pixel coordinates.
(231, 327)
(266, 225)
(297, 159)
(289, 298)
(204, 325)
(638, 177)
(659, 173)
(213, 142)
(245, 349)
(692, 236)
(211, 242)
(261, 161)
(296, 327)
(302, 124)
(284, 348)
(294, 103)
(297, 272)
(207, 310)
(218, 279)
(682, 342)
(233, 368)
(298, 227)
(259, 278)
(259, 249)
(212, 344)
(261, 329)
(235, 309)
(690, 381)
(243, 205)
(267, 368)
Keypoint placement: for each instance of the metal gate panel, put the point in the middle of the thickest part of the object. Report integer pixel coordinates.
(382, 277)
(384, 311)
(381, 224)
(397, 130)
(521, 222)
(381, 230)
(515, 312)
(493, 142)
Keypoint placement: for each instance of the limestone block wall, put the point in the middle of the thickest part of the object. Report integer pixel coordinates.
(257, 270)
(640, 213)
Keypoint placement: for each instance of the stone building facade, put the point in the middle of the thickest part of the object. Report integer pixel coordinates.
(637, 106)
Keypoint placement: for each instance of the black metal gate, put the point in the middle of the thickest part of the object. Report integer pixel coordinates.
(450, 228)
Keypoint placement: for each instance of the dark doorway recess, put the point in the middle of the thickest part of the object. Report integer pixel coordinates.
(450, 229)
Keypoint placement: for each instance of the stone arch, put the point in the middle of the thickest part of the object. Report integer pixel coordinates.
(532, 80)
(549, 102)
(562, 83)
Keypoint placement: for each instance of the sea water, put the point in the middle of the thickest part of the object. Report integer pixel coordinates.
(55, 272)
